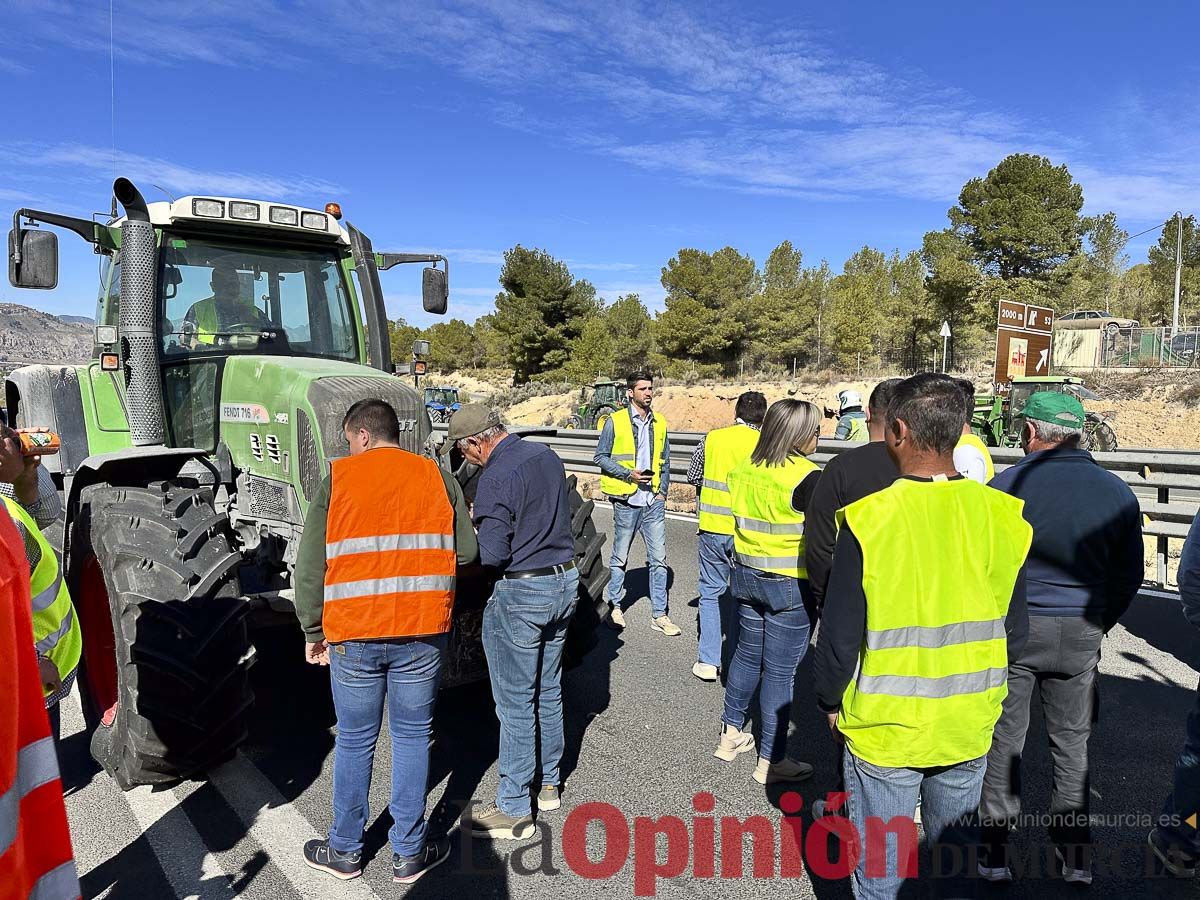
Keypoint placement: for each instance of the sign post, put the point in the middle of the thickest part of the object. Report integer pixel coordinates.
(945, 333)
(1023, 339)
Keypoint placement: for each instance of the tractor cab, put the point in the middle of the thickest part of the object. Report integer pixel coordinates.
(998, 421)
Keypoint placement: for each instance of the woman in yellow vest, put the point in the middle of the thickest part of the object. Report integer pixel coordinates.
(768, 494)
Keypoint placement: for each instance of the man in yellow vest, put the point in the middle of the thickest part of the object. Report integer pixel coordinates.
(634, 456)
(226, 310)
(971, 456)
(718, 452)
(31, 500)
(924, 607)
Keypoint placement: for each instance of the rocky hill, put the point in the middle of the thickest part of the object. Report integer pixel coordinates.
(30, 336)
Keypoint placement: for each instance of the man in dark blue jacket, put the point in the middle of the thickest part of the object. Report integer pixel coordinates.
(1176, 841)
(1083, 570)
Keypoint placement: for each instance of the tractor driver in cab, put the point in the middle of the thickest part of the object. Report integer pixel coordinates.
(852, 420)
(225, 312)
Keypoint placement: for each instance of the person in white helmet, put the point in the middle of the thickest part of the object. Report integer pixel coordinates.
(852, 419)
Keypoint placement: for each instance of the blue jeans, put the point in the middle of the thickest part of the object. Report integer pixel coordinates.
(407, 672)
(524, 629)
(1184, 798)
(651, 521)
(770, 645)
(716, 560)
(949, 796)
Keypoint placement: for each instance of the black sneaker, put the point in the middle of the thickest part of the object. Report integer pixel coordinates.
(407, 869)
(320, 855)
(1175, 860)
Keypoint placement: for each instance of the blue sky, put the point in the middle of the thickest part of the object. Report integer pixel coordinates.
(609, 134)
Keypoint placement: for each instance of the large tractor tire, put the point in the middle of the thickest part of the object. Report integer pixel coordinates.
(591, 608)
(164, 679)
(1099, 434)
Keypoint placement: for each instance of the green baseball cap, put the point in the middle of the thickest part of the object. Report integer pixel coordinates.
(470, 419)
(1055, 408)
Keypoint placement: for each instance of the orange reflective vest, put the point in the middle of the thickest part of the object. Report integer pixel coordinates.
(389, 548)
(35, 845)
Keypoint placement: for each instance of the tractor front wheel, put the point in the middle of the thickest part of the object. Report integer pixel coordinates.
(1098, 434)
(166, 650)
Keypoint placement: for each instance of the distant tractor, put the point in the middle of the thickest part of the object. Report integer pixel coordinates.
(998, 422)
(441, 403)
(606, 398)
(231, 337)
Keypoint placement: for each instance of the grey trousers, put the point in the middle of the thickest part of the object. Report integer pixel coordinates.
(1059, 661)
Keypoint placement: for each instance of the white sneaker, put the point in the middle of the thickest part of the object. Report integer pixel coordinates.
(1073, 876)
(733, 741)
(995, 874)
(616, 618)
(704, 671)
(666, 626)
(784, 770)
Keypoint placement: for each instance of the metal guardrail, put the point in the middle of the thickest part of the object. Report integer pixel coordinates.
(1152, 474)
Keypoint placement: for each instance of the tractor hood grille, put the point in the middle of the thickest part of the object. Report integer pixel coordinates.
(331, 397)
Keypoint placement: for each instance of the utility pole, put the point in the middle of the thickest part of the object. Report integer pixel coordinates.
(1178, 269)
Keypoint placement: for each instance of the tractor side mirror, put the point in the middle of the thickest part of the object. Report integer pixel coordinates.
(435, 290)
(33, 259)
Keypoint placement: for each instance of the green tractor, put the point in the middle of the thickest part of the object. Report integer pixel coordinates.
(605, 399)
(997, 419)
(231, 337)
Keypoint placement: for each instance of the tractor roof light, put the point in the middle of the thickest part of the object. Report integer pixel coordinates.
(284, 215)
(314, 220)
(240, 209)
(209, 209)
(335, 210)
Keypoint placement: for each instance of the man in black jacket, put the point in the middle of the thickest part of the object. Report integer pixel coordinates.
(849, 476)
(1084, 569)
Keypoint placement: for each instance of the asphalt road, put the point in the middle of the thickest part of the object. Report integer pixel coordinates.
(640, 734)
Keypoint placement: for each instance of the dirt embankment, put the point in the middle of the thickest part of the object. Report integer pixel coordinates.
(1147, 409)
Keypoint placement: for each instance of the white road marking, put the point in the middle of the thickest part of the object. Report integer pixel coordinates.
(280, 830)
(176, 843)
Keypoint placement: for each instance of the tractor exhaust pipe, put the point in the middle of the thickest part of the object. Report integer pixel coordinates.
(139, 271)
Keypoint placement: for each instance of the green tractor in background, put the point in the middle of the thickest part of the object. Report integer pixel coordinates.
(606, 398)
(997, 421)
(193, 442)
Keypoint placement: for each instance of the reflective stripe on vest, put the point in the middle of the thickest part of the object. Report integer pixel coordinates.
(389, 548)
(940, 560)
(36, 765)
(724, 448)
(768, 534)
(973, 440)
(624, 451)
(56, 631)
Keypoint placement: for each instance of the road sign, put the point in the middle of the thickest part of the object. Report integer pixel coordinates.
(1023, 341)
(945, 332)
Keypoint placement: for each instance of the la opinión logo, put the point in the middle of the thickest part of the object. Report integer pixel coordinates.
(599, 841)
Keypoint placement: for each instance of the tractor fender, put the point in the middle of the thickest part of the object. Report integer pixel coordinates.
(132, 466)
(49, 397)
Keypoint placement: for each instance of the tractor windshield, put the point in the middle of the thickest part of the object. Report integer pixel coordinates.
(226, 298)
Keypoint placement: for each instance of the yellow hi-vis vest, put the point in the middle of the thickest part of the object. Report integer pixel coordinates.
(209, 324)
(858, 430)
(56, 633)
(768, 534)
(624, 452)
(724, 448)
(973, 440)
(940, 560)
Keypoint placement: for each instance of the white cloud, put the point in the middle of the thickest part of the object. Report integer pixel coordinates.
(741, 102)
(76, 160)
